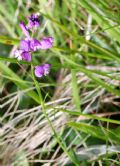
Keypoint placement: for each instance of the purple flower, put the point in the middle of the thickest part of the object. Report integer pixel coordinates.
(46, 43)
(25, 45)
(29, 45)
(42, 70)
(24, 52)
(34, 21)
(23, 55)
(25, 30)
(34, 44)
(26, 56)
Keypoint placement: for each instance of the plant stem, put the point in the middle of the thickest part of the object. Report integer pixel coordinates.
(59, 140)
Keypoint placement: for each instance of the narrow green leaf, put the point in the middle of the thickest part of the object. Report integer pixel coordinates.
(74, 156)
(96, 131)
(13, 60)
(8, 40)
(76, 113)
(20, 83)
(75, 90)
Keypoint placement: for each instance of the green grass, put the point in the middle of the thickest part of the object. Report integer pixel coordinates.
(71, 116)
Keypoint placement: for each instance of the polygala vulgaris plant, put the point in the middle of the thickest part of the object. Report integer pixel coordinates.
(28, 45)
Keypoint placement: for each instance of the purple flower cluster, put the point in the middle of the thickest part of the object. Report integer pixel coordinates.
(30, 44)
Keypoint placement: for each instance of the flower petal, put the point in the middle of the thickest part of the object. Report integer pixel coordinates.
(46, 68)
(18, 54)
(34, 44)
(39, 71)
(25, 45)
(42, 70)
(26, 56)
(25, 30)
(46, 43)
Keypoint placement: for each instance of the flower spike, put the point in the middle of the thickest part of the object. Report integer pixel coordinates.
(28, 45)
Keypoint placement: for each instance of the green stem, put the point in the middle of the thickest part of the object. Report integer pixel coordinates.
(59, 140)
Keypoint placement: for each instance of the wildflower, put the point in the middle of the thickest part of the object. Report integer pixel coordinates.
(34, 21)
(46, 43)
(23, 55)
(26, 47)
(42, 70)
(25, 30)
(24, 52)
(29, 45)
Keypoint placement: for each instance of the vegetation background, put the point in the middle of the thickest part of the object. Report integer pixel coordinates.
(70, 117)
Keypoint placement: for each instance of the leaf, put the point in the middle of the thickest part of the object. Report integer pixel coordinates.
(75, 90)
(19, 82)
(96, 131)
(13, 60)
(88, 116)
(74, 156)
(8, 40)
